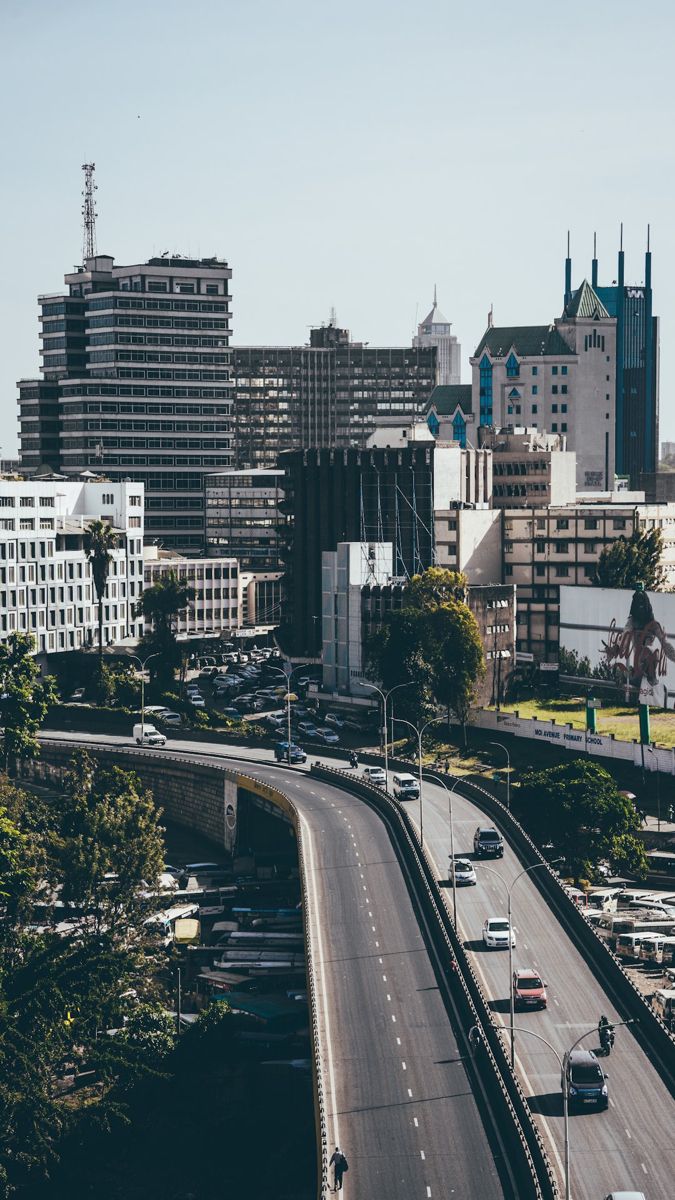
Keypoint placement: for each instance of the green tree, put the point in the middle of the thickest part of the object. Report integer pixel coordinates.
(433, 640)
(110, 846)
(25, 698)
(160, 605)
(632, 560)
(577, 807)
(100, 541)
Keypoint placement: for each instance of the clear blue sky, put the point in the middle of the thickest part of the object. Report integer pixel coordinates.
(347, 154)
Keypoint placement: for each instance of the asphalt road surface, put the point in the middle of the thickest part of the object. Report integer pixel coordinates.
(398, 1086)
(632, 1144)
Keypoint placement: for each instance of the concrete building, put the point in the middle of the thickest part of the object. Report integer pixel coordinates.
(560, 378)
(136, 382)
(359, 591)
(215, 607)
(667, 449)
(243, 517)
(636, 364)
(449, 412)
(407, 495)
(435, 330)
(46, 584)
(330, 393)
(545, 548)
(260, 596)
(530, 467)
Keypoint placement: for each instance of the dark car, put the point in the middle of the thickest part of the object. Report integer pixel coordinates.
(296, 754)
(585, 1080)
(488, 843)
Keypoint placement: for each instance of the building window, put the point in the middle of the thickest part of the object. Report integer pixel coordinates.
(562, 523)
(562, 572)
(563, 370)
(554, 408)
(534, 408)
(554, 389)
(135, 501)
(508, 569)
(563, 389)
(563, 408)
(554, 427)
(540, 570)
(485, 370)
(563, 427)
(554, 370)
(535, 370)
(459, 429)
(591, 523)
(535, 390)
(620, 523)
(512, 367)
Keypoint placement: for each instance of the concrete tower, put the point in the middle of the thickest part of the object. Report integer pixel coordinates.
(435, 330)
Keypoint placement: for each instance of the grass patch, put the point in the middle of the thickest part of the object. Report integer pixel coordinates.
(621, 720)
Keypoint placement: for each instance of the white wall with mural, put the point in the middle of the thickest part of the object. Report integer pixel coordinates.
(625, 635)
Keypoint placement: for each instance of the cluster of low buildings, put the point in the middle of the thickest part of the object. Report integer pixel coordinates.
(298, 488)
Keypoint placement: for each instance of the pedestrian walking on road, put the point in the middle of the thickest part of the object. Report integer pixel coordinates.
(339, 1164)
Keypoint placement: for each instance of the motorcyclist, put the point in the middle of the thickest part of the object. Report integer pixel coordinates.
(353, 759)
(606, 1033)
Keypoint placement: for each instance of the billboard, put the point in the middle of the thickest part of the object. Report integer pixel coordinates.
(621, 635)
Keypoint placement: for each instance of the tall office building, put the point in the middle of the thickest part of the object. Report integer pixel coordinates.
(436, 330)
(136, 384)
(637, 364)
(330, 393)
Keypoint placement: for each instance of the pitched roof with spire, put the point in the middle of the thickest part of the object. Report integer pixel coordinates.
(528, 341)
(585, 302)
(435, 317)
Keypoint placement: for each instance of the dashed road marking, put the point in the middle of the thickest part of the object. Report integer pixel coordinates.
(384, 978)
(388, 997)
(628, 1133)
(422, 1155)
(644, 1168)
(410, 1093)
(372, 926)
(398, 1041)
(416, 1123)
(393, 1017)
(403, 1064)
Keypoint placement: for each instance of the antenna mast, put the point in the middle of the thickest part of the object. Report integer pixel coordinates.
(89, 212)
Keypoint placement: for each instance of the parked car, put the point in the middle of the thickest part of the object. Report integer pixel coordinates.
(335, 720)
(171, 718)
(496, 933)
(375, 775)
(487, 843)
(77, 696)
(463, 872)
(208, 673)
(297, 754)
(307, 728)
(328, 736)
(529, 989)
(231, 712)
(196, 700)
(585, 1080)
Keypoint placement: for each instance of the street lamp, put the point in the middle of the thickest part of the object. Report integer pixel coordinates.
(562, 1062)
(525, 871)
(143, 664)
(420, 734)
(450, 791)
(385, 696)
(287, 677)
(508, 771)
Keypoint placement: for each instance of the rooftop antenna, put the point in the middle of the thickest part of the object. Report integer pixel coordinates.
(621, 238)
(435, 300)
(333, 317)
(89, 212)
(648, 231)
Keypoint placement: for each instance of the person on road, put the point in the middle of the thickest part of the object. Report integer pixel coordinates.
(474, 1039)
(353, 759)
(339, 1164)
(605, 1031)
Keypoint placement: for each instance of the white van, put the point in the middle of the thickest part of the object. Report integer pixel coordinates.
(406, 787)
(604, 899)
(628, 946)
(651, 949)
(148, 735)
(663, 1003)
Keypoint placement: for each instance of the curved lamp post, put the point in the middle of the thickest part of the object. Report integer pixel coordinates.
(508, 771)
(287, 677)
(143, 664)
(420, 734)
(384, 697)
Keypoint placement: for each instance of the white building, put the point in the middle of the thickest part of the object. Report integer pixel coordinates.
(345, 572)
(436, 330)
(46, 584)
(215, 608)
(530, 467)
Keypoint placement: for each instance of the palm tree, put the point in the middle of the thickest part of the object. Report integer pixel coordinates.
(100, 541)
(160, 606)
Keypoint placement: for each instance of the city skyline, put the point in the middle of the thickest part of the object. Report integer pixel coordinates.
(348, 164)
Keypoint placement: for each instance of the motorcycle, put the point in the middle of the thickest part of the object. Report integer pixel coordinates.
(606, 1040)
(353, 761)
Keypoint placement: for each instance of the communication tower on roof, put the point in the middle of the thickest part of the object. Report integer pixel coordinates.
(88, 212)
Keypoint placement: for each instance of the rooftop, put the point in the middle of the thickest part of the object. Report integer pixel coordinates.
(586, 303)
(446, 397)
(526, 341)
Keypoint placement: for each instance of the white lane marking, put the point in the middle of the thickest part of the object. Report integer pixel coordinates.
(428, 1190)
(422, 1155)
(372, 926)
(612, 1102)
(393, 1017)
(379, 959)
(369, 912)
(388, 997)
(378, 946)
(416, 1123)
(556, 1002)
(364, 886)
(628, 1133)
(384, 978)
(398, 1041)
(403, 1064)
(311, 881)
(409, 1093)
(644, 1168)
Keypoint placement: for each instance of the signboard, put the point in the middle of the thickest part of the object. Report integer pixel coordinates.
(549, 666)
(623, 636)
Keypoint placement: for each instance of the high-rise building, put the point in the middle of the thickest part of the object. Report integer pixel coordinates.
(436, 330)
(243, 517)
(330, 393)
(636, 364)
(136, 383)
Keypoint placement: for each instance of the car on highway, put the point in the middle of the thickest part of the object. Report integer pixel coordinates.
(463, 872)
(297, 754)
(147, 735)
(487, 843)
(405, 786)
(625, 1196)
(529, 989)
(374, 775)
(496, 933)
(584, 1079)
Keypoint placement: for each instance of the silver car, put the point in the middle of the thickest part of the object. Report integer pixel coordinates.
(463, 871)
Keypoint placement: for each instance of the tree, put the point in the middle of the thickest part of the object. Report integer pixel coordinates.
(629, 561)
(100, 541)
(434, 640)
(25, 697)
(110, 847)
(577, 807)
(160, 605)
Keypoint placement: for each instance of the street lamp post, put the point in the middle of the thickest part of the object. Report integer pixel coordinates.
(508, 771)
(450, 791)
(384, 697)
(525, 871)
(658, 788)
(420, 734)
(143, 663)
(287, 677)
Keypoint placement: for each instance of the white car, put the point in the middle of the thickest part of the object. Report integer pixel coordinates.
(463, 871)
(335, 720)
(374, 775)
(496, 933)
(197, 701)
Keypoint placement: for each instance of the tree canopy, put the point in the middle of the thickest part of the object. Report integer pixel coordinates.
(25, 697)
(432, 641)
(160, 605)
(632, 560)
(578, 809)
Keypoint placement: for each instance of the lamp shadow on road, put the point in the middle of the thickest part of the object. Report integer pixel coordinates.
(477, 946)
(499, 1006)
(548, 1104)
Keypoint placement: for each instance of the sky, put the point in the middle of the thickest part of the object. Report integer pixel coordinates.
(343, 155)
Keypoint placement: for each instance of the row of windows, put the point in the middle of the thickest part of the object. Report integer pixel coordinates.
(114, 338)
(120, 321)
(101, 356)
(198, 306)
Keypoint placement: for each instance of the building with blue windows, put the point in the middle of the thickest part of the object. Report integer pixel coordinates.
(636, 383)
(448, 413)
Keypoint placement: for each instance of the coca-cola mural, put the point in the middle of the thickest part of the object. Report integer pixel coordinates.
(621, 635)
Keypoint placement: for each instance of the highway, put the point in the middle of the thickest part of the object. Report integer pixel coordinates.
(399, 1095)
(632, 1145)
